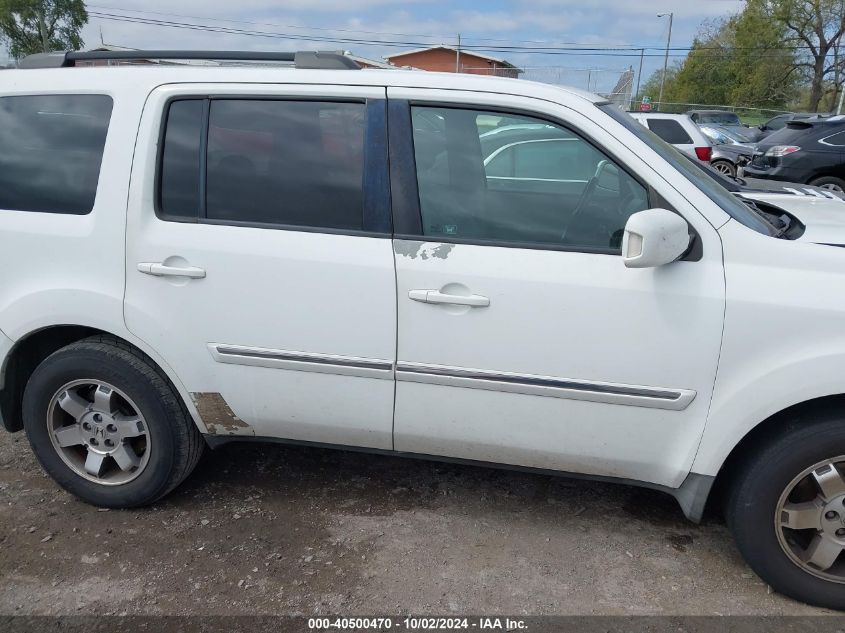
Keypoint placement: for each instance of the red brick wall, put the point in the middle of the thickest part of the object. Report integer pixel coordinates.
(440, 60)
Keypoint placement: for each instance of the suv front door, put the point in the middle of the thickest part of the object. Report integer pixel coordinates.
(523, 339)
(259, 263)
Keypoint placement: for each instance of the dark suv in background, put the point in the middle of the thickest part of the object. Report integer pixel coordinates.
(779, 122)
(807, 151)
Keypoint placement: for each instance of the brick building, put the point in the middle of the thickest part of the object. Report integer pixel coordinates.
(451, 60)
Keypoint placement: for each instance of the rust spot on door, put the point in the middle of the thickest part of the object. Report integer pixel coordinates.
(218, 418)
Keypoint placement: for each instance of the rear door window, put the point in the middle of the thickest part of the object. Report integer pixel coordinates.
(51, 150)
(296, 163)
(275, 162)
(670, 131)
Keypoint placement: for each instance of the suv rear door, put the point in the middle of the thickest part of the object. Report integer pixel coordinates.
(259, 263)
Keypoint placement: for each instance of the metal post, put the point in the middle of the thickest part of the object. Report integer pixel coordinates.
(458, 56)
(639, 73)
(665, 57)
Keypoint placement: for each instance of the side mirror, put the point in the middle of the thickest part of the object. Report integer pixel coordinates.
(653, 238)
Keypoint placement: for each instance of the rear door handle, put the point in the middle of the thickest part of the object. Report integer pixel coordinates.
(157, 269)
(435, 296)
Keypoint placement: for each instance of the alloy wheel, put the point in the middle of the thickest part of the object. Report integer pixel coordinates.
(810, 520)
(723, 168)
(832, 187)
(98, 432)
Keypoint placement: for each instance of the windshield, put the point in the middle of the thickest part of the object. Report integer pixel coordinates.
(716, 136)
(736, 137)
(721, 118)
(713, 189)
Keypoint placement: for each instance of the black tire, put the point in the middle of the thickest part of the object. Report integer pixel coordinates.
(755, 491)
(727, 165)
(176, 444)
(829, 182)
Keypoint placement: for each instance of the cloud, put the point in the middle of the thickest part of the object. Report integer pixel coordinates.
(247, 9)
(610, 8)
(492, 23)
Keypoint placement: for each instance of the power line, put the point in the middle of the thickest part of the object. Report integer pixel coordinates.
(566, 50)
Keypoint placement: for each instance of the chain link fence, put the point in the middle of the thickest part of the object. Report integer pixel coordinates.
(600, 80)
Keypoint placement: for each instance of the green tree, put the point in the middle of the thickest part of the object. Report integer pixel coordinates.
(40, 26)
(740, 61)
(818, 26)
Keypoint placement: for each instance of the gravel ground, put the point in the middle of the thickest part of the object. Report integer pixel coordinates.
(266, 529)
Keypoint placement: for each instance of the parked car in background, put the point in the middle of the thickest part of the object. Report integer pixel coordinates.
(678, 130)
(730, 150)
(723, 118)
(805, 151)
(779, 122)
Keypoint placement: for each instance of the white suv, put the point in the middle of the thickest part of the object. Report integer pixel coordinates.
(680, 131)
(204, 254)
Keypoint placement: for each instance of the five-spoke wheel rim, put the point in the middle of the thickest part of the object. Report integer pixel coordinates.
(810, 520)
(98, 432)
(832, 187)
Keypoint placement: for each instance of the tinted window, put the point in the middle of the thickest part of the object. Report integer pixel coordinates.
(485, 176)
(51, 148)
(180, 161)
(777, 123)
(286, 162)
(837, 140)
(670, 131)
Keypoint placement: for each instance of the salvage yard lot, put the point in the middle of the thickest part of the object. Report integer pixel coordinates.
(282, 530)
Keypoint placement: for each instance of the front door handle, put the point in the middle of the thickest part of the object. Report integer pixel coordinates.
(157, 269)
(435, 296)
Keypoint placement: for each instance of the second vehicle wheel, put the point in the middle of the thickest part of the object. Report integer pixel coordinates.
(787, 510)
(107, 426)
(829, 182)
(724, 167)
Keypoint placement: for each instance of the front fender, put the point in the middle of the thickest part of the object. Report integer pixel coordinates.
(784, 335)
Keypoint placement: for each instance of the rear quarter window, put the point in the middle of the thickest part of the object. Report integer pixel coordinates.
(51, 150)
(670, 131)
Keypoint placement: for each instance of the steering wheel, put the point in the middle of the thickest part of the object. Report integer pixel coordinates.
(588, 192)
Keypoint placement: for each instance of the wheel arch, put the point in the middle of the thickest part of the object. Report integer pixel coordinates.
(830, 171)
(31, 349)
(776, 424)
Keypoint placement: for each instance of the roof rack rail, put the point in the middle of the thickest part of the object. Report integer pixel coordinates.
(300, 59)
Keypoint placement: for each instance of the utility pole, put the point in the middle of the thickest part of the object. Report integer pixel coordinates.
(841, 94)
(665, 57)
(458, 56)
(639, 73)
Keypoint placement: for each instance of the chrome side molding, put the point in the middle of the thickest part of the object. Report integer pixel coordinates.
(302, 361)
(527, 384)
(592, 391)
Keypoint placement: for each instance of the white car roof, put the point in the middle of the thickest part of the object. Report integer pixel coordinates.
(112, 78)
